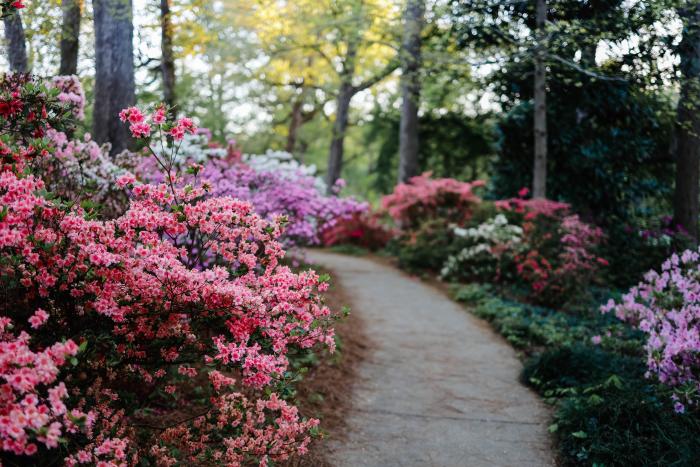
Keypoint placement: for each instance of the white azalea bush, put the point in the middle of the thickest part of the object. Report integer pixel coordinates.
(487, 247)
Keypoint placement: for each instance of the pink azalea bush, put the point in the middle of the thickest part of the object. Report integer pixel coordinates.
(424, 198)
(425, 211)
(100, 313)
(666, 307)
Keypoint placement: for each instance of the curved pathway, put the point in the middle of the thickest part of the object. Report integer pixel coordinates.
(439, 388)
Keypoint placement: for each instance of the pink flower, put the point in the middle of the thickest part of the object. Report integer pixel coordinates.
(187, 125)
(177, 132)
(159, 116)
(140, 130)
(38, 318)
(133, 115)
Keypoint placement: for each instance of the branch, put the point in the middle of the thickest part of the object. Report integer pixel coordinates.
(590, 73)
(369, 82)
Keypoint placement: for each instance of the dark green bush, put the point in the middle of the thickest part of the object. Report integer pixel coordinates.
(426, 248)
(625, 423)
(580, 365)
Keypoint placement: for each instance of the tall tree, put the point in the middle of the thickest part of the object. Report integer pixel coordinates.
(167, 63)
(352, 46)
(410, 89)
(539, 178)
(16, 42)
(114, 71)
(686, 206)
(70, 36)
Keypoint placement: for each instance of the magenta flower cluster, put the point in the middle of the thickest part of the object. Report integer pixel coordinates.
(308, 210)
(275, 186)
(666, 306)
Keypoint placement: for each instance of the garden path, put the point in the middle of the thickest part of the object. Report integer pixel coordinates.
(439, 388)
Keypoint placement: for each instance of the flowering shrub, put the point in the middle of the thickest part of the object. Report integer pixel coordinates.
(558, 259)
(27, 108)
(71, 93)
(424, 198)
(274, 183)
(666, 307)
(488, 247)
(98, 313)
(361, 229)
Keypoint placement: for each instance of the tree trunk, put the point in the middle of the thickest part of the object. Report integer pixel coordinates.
(410, 88)
(295, 122)
(686, 205)
(340, 126)
(167, 63)
(70, 36)
(114, 71)
(539, 179)
(16, 43)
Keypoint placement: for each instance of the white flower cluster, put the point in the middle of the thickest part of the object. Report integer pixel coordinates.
(485, 244)
(86, 163)
(283, 163)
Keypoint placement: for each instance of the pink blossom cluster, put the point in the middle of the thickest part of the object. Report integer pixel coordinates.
(558, 255)
(244, 428)
(165, 318)
(532, 208)
(666, 307)
(425, 198)
(71, 93)
(142, 127)
(32, 400)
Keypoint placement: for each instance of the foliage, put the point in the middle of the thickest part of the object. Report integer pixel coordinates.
(530, 327)
(608, 414)
(147, 336)
(664, 306)
(426, 247)
(359, 37)
(451, 145)
(640, 245)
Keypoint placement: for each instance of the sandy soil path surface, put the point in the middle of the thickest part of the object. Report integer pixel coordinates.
(439, 388)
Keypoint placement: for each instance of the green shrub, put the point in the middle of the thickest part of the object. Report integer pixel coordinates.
(579, 365)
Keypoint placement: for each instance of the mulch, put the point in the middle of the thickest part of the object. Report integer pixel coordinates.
(326, 390)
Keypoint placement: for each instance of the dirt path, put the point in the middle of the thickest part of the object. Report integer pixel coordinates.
(440, 388)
